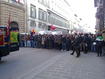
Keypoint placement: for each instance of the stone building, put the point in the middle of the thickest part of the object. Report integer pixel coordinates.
(12, 11)
(100, 15)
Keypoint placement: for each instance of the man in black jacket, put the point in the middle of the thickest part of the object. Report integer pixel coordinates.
(86, 43)
(76, 45)
(99, 44)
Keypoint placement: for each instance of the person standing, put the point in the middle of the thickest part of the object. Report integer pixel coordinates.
(99, 44)
(76, 45)
(68, 43)
(64, 42)
(86, 43)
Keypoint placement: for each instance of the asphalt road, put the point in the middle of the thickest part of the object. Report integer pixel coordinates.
(32, 63)
(24, 60)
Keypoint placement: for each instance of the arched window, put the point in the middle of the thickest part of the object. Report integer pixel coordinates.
(13, 24)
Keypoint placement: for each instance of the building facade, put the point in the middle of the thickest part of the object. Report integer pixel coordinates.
(100, 15)
(38, 15)
(12, 12)
(42, 14)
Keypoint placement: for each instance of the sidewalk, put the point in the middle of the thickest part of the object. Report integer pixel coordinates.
(66, 66)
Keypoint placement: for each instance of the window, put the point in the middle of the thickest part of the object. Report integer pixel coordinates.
(17, 1)
(101, 1)
(14, 0)
(56, 19)
(44, 26)
(40, 14)
(47, 3)
(40, 24)
(40, 1)
(44, 2)
(33, 11)
(32, 23)
(45, 16)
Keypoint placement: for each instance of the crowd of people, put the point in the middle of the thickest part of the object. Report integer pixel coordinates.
(66, 42)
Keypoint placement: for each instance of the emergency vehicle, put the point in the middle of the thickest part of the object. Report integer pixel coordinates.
(9, 40)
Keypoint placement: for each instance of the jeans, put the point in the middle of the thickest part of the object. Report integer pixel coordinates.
(93, 48)
(64, 46)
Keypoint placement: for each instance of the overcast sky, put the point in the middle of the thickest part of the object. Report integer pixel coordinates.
(85, 10)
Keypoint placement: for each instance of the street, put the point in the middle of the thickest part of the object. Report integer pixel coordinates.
(32, 63)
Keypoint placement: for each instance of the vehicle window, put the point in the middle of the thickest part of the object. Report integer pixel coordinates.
(2, 31)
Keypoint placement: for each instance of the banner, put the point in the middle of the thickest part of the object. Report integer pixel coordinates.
(52, 27)
(14, 37)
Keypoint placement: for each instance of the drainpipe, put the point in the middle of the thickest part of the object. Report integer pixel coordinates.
(26, 24)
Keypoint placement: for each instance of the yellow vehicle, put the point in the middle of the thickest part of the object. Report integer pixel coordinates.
(9, 40)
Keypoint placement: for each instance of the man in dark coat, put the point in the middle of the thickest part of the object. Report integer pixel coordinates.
(86, 43)
(76, 45)
(99, 44)
(68, 43)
